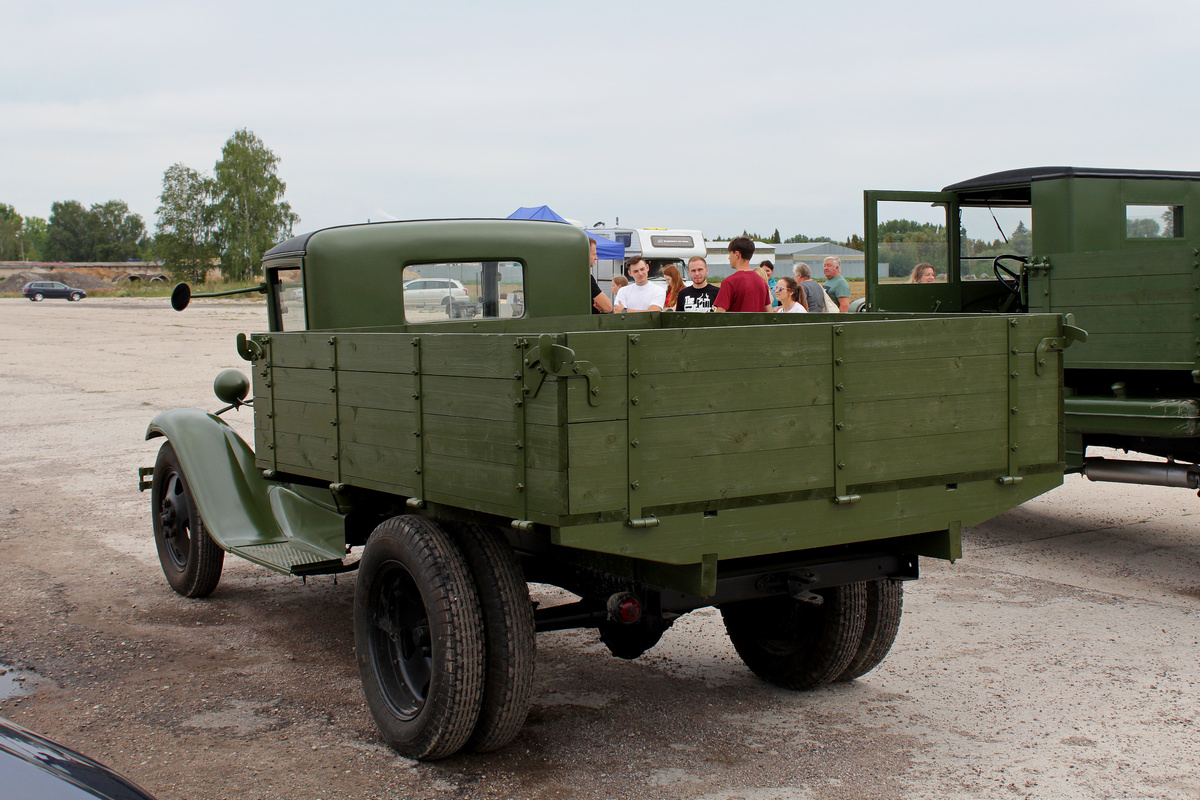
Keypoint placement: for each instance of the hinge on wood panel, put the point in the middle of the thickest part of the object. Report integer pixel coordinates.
(547, 358)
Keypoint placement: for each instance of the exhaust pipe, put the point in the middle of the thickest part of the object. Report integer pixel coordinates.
(1152, 473)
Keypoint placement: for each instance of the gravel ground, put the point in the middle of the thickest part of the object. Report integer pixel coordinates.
(1056, 660)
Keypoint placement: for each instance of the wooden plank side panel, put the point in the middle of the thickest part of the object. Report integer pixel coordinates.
(1169, 318)
(1117, 291)
(386, 466)
(300, 350)
(1154, 259)
(683, 393)
(893, 340)
(868, 421)
(955, 375)
(472, 355)
(312, 453)
(1136, 350)
(471, 398)
(493, 487)
(900, 459)
(688, 480)
(706, 349)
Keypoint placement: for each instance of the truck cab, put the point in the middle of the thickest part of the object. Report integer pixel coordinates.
(1114, 248)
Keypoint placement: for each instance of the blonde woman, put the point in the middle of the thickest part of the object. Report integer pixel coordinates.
(923, 273)
(791, 299)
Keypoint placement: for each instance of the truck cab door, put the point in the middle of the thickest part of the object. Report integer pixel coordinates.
(903, 230)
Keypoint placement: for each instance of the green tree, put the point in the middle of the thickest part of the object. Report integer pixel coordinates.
(34, 237)
(116, 233)
(12, 230)
(252, 215)
(104, 232)
(186, 233)
(68, 233)
(774, 238)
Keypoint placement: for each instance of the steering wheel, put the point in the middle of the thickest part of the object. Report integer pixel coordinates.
(1011, 280)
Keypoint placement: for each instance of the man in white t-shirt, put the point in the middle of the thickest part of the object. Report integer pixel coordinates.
(641, 295)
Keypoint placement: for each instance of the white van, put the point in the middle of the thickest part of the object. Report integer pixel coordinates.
(659, 246)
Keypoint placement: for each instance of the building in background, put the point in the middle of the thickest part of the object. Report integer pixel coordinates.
(815, 253)
(718, 257)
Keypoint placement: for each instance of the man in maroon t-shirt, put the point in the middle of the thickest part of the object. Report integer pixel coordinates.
(744, 290)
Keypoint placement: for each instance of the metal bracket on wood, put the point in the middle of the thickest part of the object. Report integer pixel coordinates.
(1060, 343)
(248, 349)
(418, 423)
(633, 429)
(268, 372)
(143, 474)
(337, 435)
(1014, 374)
(547, 358)
(840, 495)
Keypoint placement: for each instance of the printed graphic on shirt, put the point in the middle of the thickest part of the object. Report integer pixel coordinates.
(696, 300)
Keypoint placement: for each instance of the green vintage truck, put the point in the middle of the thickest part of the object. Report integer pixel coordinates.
(788, 469)
(1118, 249)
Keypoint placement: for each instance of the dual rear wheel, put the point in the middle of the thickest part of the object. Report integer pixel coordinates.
(444, 636)
(799, 645)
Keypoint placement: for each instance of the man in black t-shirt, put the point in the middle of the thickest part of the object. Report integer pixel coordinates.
(700, 295)
(600, 302)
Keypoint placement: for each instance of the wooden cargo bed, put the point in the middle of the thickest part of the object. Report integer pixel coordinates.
(694, 434)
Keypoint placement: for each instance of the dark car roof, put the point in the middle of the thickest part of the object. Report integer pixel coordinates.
(33, 767)
(1026, 176)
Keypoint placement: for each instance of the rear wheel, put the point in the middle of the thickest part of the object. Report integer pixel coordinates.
(37, 297)
(798, 645)
(418, 634)
(508, 636)
(190, 559)
(885, 605)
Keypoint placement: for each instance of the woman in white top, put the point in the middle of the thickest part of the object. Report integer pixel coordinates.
(791, 299)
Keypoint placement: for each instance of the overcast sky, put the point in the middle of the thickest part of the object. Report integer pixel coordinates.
(711, 115)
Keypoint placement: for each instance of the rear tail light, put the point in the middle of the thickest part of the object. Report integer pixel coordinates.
(624, 607)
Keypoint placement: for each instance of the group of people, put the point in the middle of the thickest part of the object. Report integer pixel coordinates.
(746, 289)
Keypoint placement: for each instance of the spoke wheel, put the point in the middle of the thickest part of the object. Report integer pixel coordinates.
(190, 559)
(37, 297)
(799, 645)
(885, 606)
(418, 634)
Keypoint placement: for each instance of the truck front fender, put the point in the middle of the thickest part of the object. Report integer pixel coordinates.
(242, 511)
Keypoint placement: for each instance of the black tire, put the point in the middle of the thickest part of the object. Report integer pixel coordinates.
(75, 296)
(885, 606)
(190, 559)
(630, 641)
(418, 635)
(509, 651)
(798, 645)
(37, 297)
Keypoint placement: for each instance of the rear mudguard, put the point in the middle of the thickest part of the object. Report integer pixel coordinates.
(285, 527)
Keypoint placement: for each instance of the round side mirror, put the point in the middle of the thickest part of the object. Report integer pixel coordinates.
(181, 295)
(231, 386)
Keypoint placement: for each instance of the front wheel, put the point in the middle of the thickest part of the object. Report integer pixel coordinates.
(75, 296)
(190, 559)
(418, 636)
(798, 645)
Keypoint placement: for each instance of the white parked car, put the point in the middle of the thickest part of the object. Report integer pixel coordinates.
(433, 292)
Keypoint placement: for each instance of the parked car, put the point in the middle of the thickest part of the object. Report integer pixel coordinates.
(434, 292)
(33, 767)
(36, 290)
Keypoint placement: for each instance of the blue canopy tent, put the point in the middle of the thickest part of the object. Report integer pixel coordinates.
(605, 248)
